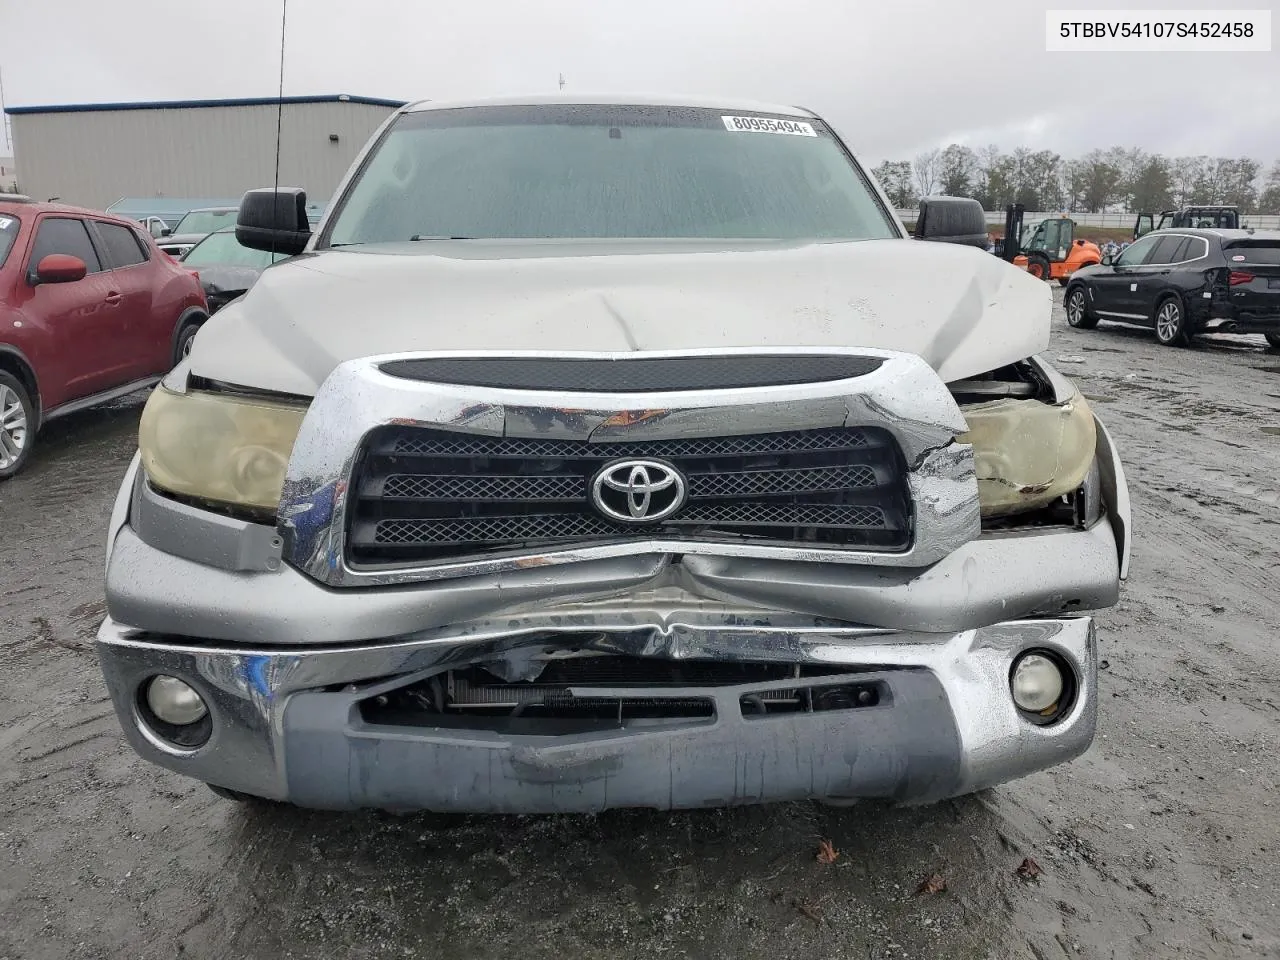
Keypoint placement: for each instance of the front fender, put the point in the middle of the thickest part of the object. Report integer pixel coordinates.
(120, 510)
(1115, 495)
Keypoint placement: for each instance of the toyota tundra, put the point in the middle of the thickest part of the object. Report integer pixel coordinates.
(613, 452)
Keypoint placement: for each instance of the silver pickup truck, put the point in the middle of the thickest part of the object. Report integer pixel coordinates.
(613, 452)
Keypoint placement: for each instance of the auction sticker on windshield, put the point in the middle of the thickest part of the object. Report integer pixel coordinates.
(796, 128)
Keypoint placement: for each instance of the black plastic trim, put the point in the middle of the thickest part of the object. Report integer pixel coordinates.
(651, 374)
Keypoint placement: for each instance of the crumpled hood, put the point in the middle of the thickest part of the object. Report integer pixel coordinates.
(964, 311)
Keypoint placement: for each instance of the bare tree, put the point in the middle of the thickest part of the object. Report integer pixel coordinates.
(1269, 201)
(957, 171)
(926, 172)
(895, 177)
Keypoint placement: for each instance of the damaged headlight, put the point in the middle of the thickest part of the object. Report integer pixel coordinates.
(1028, 453)
(222, 449)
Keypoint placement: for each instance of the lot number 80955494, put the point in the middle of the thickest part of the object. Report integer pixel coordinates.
(796, 128)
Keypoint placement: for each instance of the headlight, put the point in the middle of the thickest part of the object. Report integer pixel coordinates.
(1027, 453)
(227, 450)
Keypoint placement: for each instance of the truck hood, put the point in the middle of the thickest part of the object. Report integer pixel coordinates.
(964, 311)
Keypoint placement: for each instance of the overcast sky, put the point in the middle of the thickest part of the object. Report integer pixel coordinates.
(894, 77)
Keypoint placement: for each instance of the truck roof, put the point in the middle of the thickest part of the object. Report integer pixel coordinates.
(643, 100)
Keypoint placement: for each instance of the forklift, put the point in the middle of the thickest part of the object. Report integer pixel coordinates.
(1210, 217)
(1048, 250)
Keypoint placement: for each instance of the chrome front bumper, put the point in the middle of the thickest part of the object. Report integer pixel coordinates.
(286, 723)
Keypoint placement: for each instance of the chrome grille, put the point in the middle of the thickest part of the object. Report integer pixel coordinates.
(422, 495)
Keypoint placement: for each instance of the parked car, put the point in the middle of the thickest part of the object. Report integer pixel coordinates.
(608, 454)
(194, 227)
(89, 311)
(226, 267)
(155, 226)
(1184, 282)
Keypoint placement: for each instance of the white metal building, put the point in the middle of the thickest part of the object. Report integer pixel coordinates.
(94, 154)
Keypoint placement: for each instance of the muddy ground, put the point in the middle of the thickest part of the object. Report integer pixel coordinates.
(1163, 841)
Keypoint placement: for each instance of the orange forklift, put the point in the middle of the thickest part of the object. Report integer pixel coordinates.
(1049, 249)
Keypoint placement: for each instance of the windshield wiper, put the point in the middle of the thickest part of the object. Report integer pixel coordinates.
(427, 236)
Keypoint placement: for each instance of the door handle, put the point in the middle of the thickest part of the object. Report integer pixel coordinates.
(113, 298)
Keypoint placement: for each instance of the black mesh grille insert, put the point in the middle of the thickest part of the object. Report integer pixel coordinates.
(423, 495)
(432, 443)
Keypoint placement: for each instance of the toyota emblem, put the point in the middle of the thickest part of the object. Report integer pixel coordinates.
(638, 491)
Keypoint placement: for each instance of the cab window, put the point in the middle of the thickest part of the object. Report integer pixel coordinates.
(1057, 238)
(1033, 238)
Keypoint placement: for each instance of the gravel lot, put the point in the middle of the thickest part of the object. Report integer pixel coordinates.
(1163, 841)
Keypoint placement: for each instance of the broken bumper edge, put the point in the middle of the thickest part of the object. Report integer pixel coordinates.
(286, 723)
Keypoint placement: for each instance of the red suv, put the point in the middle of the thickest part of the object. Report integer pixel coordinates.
(90, 310)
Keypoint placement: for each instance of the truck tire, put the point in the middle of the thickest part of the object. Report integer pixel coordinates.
(17, 425)
(1038, 266)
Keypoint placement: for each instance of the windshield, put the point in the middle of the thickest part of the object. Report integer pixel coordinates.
(224, 248)
(205, 221)
(569, 171)
(8, 233)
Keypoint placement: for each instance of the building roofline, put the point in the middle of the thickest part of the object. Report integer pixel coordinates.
(190, 104)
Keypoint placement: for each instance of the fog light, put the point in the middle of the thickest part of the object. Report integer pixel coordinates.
(174, 701)
(1036, 682)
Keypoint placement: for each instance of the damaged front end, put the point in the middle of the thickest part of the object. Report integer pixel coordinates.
(1042, 458)
(874, 584)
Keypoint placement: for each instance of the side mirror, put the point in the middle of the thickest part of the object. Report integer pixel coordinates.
(274, 220)
(165, 231)
(1108, 259)
(60, 268)
(952, 220)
